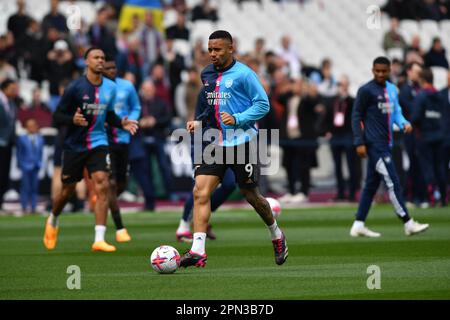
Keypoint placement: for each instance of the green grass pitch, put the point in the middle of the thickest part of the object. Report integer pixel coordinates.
(324, 261)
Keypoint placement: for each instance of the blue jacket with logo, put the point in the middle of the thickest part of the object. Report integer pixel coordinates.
(375, 111)
(237, 91)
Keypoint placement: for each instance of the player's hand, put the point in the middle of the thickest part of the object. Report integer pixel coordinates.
(361, 150)
(227, 119)
(130, 125)
(408, 128)
(192, 125)
(79, 120)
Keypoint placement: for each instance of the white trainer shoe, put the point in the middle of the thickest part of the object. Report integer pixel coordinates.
(363, 232)
(413, 227)
(299, 198)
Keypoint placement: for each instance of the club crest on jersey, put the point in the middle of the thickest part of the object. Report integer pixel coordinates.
(206, 83)
(380, 97)
(387, 159)
(85, 97)
(228, 83)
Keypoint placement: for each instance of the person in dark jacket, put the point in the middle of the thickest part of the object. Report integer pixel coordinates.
(427, 118)
(339, 124)
(436, 57)
(415, 184)
(445, 98)
(154, 123)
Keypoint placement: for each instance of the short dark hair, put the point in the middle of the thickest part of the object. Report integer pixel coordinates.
(6, 83)
(221, 34)
(427, 75)
(382, 60)
(86, 54)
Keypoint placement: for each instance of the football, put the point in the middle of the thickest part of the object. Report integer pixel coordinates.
(275, 206)
(165, 259)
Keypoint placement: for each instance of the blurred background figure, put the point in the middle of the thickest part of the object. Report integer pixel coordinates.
(29, 149)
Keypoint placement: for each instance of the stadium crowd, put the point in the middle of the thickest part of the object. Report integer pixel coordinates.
(307, 102)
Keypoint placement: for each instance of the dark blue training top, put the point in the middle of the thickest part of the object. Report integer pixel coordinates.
(375, 111)
(97, 106)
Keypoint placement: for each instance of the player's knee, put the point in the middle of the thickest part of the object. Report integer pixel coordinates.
(200, 195)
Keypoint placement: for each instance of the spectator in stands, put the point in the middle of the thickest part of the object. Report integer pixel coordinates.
(130, 60)
(154, 124)
(204, 11)
(414, 53)
(80, 40)
(402, 9)
(152, 42)
(7, 71)
(162, 85)
(60, 65)
(427, 119)
(7, 48)
(29, 147)
(397, 74)
(392, 38)
(54, 19)
(186, 95)
(9, 90)
(259, 50)
(415, 190)
(309, 112)
(436, 56)
(327, 85)
(431, 10)
(175, 65)
(445, 96)
(19, 21)
(18, 24)
(200, 57)
(99, 34)
(179, 30)
(37, 110)
(290, 57)
(341, 140)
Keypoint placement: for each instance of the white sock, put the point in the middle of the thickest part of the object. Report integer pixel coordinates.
(409, 223)
(198, 244)
(358, 224)
(120, 230)
(53, 220)
(100, 233)
(184, 226)
(275, 231)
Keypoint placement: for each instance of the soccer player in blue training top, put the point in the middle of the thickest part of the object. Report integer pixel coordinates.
(375, 111)
(218, 197)
(232, 99)
(87, 103)
(126, 105)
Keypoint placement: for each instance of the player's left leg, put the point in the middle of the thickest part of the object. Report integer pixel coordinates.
(262, 207)
(117, 182)
(386, 168)
(98, 164)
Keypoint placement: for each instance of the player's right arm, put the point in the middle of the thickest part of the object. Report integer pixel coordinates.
(201, 112)
(66, 111)
(358, 112)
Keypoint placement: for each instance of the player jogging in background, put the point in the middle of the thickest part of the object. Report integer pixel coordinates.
(126, 105)
(87, 103)
(233, 98)
(375, 112)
